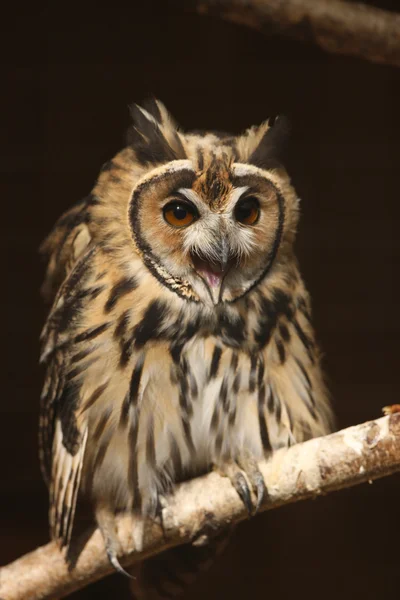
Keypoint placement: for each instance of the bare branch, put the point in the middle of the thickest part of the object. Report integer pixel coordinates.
(340, 27)
(349, 457)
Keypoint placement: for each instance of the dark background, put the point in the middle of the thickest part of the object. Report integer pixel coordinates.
(68, 75)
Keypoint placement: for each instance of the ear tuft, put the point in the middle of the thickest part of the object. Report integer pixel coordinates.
(270, 148)
(153, 135)
(151, 105)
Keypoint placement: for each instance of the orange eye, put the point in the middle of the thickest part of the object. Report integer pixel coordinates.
(179, 214)
(247, 211)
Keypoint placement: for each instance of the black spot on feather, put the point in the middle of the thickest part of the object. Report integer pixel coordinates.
(284, 331)
(133, 476)
(281, 351)
(80, 355)
(305, 374)
(101, 453)
(122, 325)
(101, 424)
(232, 329)
(91, 333)
(67, 408)
(264, 430)
(193, 387)
(81, 368)
(216, 357)
(92, 200)
(271, 401)
(175, 352)
(252, 374)
(150, 326)
(303, 307)
(271, 309)
(96, 395)
(236, 384)
(150, 445)
(306, 340)
(120, 289)
(188, 436)
(135, 381)
(234, 361)
(261, 370)
(223, 394)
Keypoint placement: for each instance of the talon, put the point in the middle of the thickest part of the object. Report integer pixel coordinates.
(260, 489)
(106, 522)
(116, 564)
(254, 475)
(240, 485)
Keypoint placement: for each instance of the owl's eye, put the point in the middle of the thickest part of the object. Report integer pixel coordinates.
(247, 211)
(179, 214)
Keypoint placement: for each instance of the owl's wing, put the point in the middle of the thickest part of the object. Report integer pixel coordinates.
(63, 247)
(62, 436)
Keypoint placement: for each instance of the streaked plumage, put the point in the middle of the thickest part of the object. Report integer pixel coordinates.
(170, 350)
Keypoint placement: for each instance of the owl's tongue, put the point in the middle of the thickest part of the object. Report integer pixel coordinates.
(211, 272)
(213, 279)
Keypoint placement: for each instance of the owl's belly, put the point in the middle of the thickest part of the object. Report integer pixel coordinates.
(190, 413)
(223, 414)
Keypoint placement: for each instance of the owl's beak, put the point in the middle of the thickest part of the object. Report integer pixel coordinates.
(213, 271)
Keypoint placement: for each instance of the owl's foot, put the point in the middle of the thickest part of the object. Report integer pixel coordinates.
(249, 465)
(241, 474)
(107, 525)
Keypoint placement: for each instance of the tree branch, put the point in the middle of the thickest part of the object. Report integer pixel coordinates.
(349, 457)
(336, 26)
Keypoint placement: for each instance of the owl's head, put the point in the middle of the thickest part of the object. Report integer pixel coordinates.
(213, 214)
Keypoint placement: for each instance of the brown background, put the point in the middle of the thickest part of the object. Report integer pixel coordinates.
(69, 77)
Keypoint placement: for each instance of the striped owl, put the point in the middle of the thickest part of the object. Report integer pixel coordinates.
(179, 338)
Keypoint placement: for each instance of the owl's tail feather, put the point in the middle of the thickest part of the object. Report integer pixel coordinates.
(169, 574)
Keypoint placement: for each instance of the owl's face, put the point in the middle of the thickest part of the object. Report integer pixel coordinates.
(211, 223)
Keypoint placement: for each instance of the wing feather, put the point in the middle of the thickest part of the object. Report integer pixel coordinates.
(62, 433)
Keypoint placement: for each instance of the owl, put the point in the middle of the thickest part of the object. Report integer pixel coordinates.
(179, 338)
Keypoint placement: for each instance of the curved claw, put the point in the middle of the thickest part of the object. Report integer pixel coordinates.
(106, 522)
(115, 563)
(240, 484)
(250, 467)
(259, 488)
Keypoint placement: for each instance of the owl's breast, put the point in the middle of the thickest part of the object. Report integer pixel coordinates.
(173, 419)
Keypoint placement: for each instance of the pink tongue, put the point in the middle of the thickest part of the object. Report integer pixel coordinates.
(209, 271)
(213, 279)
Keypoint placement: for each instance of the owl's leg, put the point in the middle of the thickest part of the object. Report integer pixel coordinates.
(106, 521)
(236, 472)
